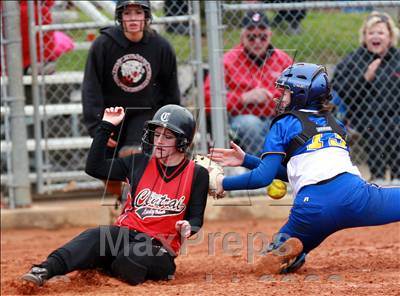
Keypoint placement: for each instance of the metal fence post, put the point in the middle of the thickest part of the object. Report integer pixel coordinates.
(202, 124)
(20, 180)
(37, 117)
(5, 102)
(218, 110)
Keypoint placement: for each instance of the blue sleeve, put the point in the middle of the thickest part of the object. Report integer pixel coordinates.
(250, 161)
(258, 177)
(270, 166)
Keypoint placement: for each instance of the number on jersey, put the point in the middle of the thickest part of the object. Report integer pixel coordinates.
(326, 140)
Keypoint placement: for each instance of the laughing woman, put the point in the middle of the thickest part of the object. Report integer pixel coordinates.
(368, 80)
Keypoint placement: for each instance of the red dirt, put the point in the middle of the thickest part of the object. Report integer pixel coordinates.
(362, 261)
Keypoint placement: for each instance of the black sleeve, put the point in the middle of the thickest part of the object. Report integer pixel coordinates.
(198, 199)
(97, 165)
(348, 79)
(282, 174)
(168, 79)
(92, 96)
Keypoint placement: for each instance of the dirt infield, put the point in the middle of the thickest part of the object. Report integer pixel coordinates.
(362, 261)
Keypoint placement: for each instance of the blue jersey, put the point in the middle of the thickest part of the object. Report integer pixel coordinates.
(320, 208)
(289, 126)
(322, 157)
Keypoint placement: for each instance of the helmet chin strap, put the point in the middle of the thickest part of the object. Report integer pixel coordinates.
(163, 146)
(162, 157)
(169, 159)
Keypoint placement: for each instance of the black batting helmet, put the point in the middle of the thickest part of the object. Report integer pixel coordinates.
(175, 118)
(121, 4)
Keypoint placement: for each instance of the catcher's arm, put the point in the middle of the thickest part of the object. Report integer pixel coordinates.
(216, 173)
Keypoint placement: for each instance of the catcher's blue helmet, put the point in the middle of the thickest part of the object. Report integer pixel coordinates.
(308, 84)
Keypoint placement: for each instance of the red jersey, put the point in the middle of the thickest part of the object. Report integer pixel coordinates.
(159, 202)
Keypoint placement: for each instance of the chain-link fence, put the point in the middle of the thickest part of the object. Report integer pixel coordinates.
(53, 79)
(311, 31)
(256, 40)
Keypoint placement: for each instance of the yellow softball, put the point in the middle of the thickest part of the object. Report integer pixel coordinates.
(277, 189)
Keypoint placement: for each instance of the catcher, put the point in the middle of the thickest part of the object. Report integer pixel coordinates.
(166, 205)
(307, 146)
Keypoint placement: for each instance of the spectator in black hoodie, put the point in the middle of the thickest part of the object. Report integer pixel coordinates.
(368, 81)
(129, 65)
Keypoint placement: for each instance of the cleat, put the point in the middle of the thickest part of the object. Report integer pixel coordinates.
(295, 264)
(37, 275)
(280, 259)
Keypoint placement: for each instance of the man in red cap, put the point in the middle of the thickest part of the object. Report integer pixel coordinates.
(251, 69)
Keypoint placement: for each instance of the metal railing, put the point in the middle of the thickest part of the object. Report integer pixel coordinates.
(326, 33)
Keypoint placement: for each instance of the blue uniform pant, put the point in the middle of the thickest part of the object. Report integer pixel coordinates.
(346, 201)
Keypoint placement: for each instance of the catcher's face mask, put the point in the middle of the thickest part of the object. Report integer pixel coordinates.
(284, 100)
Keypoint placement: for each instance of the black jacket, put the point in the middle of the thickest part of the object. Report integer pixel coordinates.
(374, 103)
(119, 72)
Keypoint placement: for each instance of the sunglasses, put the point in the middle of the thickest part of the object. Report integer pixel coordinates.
(381, 17)
(253, 37)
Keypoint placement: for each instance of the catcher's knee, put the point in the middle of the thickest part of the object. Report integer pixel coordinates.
(125, 268)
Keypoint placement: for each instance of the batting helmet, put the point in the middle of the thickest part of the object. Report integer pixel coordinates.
(121, 4)
(175, 118)
(308, 84)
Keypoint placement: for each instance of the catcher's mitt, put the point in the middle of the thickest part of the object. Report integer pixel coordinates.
(214, 170)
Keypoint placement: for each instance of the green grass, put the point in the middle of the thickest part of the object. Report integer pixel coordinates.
(326, 38)
(72, 61)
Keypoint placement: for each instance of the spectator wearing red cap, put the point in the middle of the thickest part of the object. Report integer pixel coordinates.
(251, 69)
